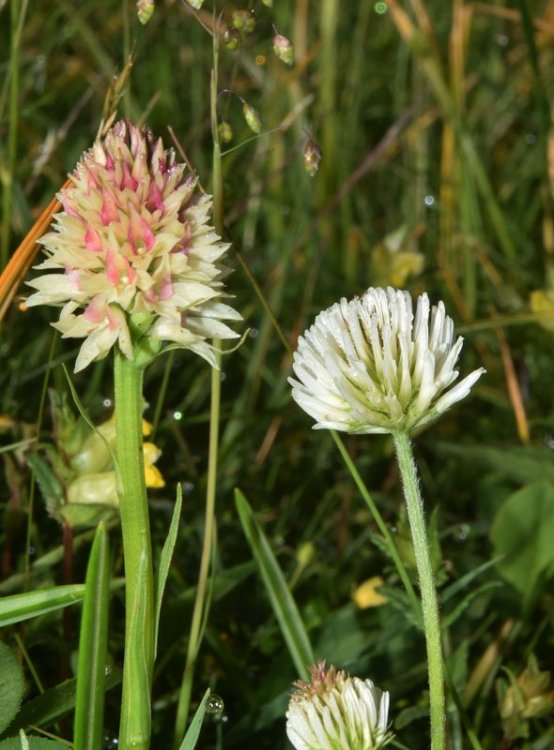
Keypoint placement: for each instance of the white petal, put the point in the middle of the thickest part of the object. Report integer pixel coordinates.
(383, 367)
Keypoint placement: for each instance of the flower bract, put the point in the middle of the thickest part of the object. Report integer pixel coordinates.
(337, 712)
(134, 243)
(369, 365)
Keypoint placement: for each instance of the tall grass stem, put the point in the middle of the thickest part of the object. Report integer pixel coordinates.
(200, 602)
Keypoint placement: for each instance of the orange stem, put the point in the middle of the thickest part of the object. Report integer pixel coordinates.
(23, 257)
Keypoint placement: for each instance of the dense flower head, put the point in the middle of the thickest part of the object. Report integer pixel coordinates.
(369, 365)
(337, 712)
(134, 242)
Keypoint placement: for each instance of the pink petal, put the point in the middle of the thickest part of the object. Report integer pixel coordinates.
(113, 320)
(112, 269)
(92, 239)
(108, 212)
(130, 272)
(91, 179)
(166, 288)
(95, 311)
(154, 200)
(140, 234)
(128, 181)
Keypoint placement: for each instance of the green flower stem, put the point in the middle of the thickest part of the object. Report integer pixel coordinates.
(134, 732)
(430, 607)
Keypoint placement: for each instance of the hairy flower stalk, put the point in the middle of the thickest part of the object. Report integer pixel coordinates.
(370, 365)
(337, 712)
(135, 264)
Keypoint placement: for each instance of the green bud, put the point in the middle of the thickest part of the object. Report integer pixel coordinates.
(94, 455)
(145, 10)
(94, 489)
(196, 4)
(305, 553)
(225, 132)
(243, 20)
(231, 38)
(312, 157)
(268, 3)
(283, 49)
(252, 118)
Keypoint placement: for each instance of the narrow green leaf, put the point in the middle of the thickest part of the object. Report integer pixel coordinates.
(30, 743)
(462, 583)
(46, 709)
(165, 561)
(191, 737)
(449, 619)
(20, 607)
(135, 653)
(93, 646)
(283, 604)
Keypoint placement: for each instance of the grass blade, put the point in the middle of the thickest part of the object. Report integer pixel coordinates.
(283, 604)
(165, 562)
(191, 737)
(93, 646)
(19, 607)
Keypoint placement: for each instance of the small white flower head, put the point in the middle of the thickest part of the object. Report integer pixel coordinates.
(134, 242)
(369, 365)
(337, 712)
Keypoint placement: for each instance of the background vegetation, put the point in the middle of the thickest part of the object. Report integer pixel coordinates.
(434, 123)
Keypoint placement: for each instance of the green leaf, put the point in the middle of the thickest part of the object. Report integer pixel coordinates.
(55, 703)
(93, 646)
(454, 588)
(30, 743)
(83, 516)
(165, 561)
(12, 686)
(284, 606)
(522, 532)
(20, 607)
(50, 486)
(191, 737)
(449, 619)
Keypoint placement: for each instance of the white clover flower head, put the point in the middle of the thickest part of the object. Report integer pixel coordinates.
(134, 239)
(337, 712)
(369, 365)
